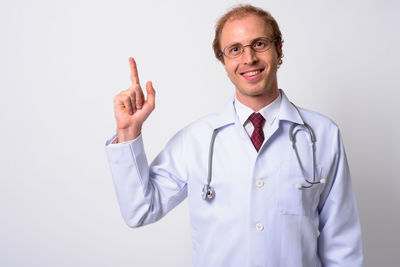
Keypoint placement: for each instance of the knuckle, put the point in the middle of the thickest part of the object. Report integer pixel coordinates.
(118, 98)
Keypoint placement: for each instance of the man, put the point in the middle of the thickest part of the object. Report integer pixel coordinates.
(257, 209)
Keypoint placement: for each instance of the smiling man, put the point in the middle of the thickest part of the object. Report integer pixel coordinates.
(267, 182)
(252, 73)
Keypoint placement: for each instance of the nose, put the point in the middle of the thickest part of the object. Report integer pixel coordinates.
(249, 55)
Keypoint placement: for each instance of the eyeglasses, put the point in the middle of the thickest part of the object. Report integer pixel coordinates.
(258, 45)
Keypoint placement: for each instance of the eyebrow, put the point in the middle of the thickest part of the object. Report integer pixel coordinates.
(237, 43)
(232, 44)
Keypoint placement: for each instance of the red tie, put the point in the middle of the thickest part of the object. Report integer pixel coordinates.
(258, 135)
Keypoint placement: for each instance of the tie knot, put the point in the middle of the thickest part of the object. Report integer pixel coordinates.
(257, 120)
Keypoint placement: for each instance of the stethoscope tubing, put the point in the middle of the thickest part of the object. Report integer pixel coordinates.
(209, 192)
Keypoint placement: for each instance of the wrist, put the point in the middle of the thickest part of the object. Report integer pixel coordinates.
(128, 134)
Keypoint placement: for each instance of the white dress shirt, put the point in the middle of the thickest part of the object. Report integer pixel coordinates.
(258, 216)
(269, 112)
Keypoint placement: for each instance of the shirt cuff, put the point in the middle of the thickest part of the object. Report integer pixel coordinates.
(112, 142)
(126, 153)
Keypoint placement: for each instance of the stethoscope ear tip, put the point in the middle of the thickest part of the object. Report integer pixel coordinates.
(322, 181)
(299, 186)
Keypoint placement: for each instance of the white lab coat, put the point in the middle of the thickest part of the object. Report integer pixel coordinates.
(258, 216)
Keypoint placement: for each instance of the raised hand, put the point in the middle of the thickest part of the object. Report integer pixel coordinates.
(130, 108)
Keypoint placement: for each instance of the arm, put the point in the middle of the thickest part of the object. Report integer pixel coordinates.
(146, 193)
(339, 243)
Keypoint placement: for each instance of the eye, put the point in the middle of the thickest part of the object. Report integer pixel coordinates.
(260, 44)
(234, 50)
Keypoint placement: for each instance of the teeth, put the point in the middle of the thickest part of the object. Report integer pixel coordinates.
(251, 73)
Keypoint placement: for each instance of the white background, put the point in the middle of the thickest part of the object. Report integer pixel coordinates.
(62, 62)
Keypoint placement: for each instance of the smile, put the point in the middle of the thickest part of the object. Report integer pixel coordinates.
(252, 74)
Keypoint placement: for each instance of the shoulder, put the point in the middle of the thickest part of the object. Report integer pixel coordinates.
(318, 120)
(326, 130)
(207, 123)
(201, 126)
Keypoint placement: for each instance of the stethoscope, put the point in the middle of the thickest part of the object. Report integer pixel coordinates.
(208, 192)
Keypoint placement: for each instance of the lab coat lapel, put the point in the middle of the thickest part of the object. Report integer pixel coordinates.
(224, 117)
(228, 116)
(287, 111)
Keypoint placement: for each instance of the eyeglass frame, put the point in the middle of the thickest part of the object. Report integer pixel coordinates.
(222, 53)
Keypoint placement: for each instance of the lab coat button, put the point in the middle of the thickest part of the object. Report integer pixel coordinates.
(259, 183)
(259, 227)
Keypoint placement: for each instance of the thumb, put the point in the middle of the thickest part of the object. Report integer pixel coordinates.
(149, 105)
(151, 94)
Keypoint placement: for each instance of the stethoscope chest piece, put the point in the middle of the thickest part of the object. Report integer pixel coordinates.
(208, 192)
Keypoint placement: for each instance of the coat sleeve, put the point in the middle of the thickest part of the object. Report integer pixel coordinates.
(339, 243)
(146, 193)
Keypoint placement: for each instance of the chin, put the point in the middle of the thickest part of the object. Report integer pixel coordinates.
(253, 91)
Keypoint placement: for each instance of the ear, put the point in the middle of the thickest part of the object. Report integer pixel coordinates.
(221, 59)
(279, 51)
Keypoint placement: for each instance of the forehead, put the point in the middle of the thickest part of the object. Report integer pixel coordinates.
(244, 29)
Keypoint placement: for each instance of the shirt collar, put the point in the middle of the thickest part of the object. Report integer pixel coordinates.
(269, 112)
(228, 115)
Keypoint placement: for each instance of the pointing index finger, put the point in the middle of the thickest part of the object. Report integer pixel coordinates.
(134, 72)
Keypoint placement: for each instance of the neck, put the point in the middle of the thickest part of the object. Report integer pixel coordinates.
(259, 101)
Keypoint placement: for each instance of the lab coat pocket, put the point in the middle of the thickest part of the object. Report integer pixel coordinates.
(295, 201)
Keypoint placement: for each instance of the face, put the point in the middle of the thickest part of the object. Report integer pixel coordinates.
(252, 73)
